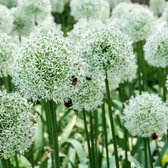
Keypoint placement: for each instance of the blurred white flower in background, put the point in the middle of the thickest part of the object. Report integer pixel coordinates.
(135, 20)
(90, 9)
(6, 19)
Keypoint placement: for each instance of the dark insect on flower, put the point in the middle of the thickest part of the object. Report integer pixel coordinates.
(74, 79)
(88, 78)
(154, 136)
(158, 46)
(68, 102)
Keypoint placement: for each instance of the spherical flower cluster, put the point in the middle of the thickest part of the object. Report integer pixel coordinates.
(90, 9)
(9, 3)
(156, 49)
(16, 124)
(145, 115)
(157, 6)
(6, 19)
(86, 89)
(57, 5)
(23, 23)
(136, 20)
(42, 65)
(108, 50)
(114, 3)
(6, 48)
(39, 9)
(80, 29)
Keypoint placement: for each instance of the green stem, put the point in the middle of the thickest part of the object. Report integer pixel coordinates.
(111, 121)
(157, 147)
(142, 76)
(16, 161)
(96, 132)
(105, 134)
(146, 153)
(5, 163)
(92, 140)
(88, 141)
(50, 109)
(150, 154)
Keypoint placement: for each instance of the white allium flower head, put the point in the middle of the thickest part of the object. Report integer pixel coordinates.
(90, 9)
(23, 23)
(9, 3)
(16, 124)
(42, 65)
(38, 8)
(136, 20)
(156, 49)
(157, 6)
(6, 19)
(80, 29)
(108, 49)
(145, 115)
(114, 3)
(6, 48)
(58, 6)
(86, 89)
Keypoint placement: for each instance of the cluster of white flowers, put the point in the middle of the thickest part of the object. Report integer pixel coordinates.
(17, 126)
(80, 29)
(42, 65)
(114, 3)
(6, 19)
(157, 6)
(145, 115)
(156, 49)
(90, 9)
(39, 9)
(7, 44)
(58, 6)
(22, 23)
(108, 50)
(86, 89)
(135, 20)
(9, 3)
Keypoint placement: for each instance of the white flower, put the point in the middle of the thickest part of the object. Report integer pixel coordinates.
(23, 23)
(7, 45)
(80, 29)
(16, 124)
(39, 9)
(156, 49)
(108, 50)
(145, 115)
(42, 65)
(90, 9)
(157, 6)
(9, 3)
(6, 19)
(114, 3)
(135, 20)
(58, 5)
(86, 89)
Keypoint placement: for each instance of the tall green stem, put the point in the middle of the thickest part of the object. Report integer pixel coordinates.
(50, 109)
(5, 163)
(88, 141)
(142, 77)
(146, 153)
(150, 154)
(105, 134)
(111, 121)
